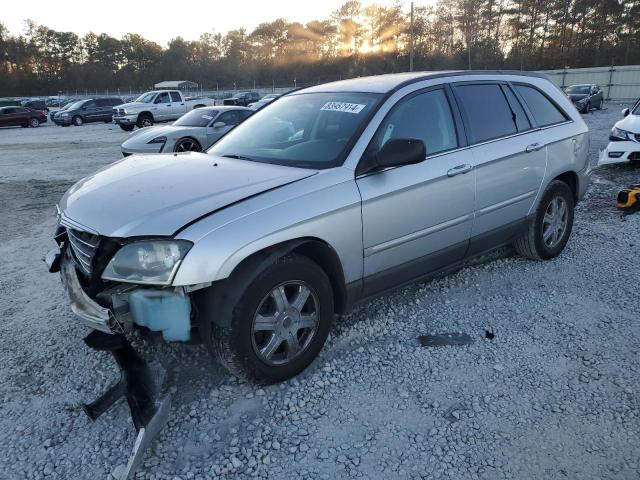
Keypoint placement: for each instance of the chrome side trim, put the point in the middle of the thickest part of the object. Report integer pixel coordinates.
(506, 203)
(415, 235)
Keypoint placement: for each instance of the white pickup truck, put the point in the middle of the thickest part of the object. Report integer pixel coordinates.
(154, 107)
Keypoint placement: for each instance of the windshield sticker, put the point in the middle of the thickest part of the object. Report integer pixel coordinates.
(343, 107)
(208, 117)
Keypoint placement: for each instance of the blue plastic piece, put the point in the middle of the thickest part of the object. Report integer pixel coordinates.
(162, 311)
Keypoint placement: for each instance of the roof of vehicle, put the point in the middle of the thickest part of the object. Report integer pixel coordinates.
(582, 85)
(177, 84)
(222, 108)
(392, 81)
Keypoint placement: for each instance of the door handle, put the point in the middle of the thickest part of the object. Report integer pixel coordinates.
(534, 147)
(460, 169)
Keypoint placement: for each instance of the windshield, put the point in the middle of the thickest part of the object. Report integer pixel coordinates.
(311, 130)
(579, 89)
(200, 117)
(76, 105)
(636, 108)
(146, 97)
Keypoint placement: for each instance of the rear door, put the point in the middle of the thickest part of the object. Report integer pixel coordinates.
(510, 158)
(416, 219)
(178, 104)
(90, 111)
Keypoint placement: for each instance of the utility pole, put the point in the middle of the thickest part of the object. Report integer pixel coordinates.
(411, 41)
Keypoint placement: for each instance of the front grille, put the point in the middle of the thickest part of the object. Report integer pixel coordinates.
(83, 246)
(118, 112)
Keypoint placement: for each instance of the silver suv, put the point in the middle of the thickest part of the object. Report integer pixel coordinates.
(325, 197)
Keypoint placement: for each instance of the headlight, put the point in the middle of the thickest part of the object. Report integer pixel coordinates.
(158, 140)
(619, 135)
(64, 114)
(124, 111)
(153, 262)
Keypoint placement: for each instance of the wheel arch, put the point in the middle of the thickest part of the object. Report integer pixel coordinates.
(190, 137)
(572, 180)
(220, 299)
(147, 114)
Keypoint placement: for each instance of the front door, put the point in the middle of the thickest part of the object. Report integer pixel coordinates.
(230, 120)
(417, 219)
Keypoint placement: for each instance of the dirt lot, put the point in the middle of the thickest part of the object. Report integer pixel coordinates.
(554, 395)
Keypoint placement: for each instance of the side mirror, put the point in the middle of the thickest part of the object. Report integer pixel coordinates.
(401, 151)
(625, 112)
(219, 125)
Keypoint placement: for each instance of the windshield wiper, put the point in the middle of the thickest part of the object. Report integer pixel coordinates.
(236, 156)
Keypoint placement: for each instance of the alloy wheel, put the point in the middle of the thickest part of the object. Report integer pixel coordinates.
(554, 222)
(285, 322)
(187, 145)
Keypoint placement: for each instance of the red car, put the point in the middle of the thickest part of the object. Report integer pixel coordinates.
(25, 117)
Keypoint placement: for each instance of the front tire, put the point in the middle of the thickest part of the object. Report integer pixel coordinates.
(144, 121)
(78, 121)
(127, 128)
(187, 144)
(279, 324)
(34, 123)
(587, 107)
(599, 107)
(549, 230)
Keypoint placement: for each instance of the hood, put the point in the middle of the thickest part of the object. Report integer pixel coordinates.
(630, 123)
(158, 194)
(134, 105)
(577, 96)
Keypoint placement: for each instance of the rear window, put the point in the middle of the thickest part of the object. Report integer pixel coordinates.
(543, 110)
(487, 111)
(175, 97)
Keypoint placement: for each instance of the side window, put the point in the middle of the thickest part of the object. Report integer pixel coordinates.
(9, 111)
(487, 111)
(244, 114)
(102, 103)
(88, 105)
(543, 110)
(163, 98)
(22, 110)
(175, 97)
(522, 122)
(427, 117)
(230, 118)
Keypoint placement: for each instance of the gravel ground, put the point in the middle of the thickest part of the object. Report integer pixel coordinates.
(555, 393)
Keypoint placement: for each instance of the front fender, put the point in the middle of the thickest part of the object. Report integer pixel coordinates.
(316, 207)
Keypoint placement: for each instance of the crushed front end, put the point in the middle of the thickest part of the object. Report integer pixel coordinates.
(109, 292)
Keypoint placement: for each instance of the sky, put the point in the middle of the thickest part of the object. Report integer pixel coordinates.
(160, 21)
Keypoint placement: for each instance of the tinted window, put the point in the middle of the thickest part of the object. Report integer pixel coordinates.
(522, 122)
(488, 112)
(163, 98)
(544, 112)
(8, 111)
(175, 97)
(103, 102)
(116, 101)
(22, 110)
(230, 118)
(244, 114)
(90, 104)
(425, 117)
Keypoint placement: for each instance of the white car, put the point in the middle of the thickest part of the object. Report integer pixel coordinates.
(195, 131)
(624, 140)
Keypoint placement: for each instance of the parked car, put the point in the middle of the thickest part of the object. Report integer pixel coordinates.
(64, 108)
(263, 101)
(195, 131)
(155, 107)
(36, 104)
(624, 139)
(328, 196)
(585, 97)
(87, 111)
(242, 99)
(22, 116)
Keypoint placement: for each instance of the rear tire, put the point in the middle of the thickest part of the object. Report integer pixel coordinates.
(127, 128)
(249, 349)
(550, 228)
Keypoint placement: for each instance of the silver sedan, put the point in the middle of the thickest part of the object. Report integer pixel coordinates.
(195, 131)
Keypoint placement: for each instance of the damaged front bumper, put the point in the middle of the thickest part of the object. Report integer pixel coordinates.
(163, 310)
